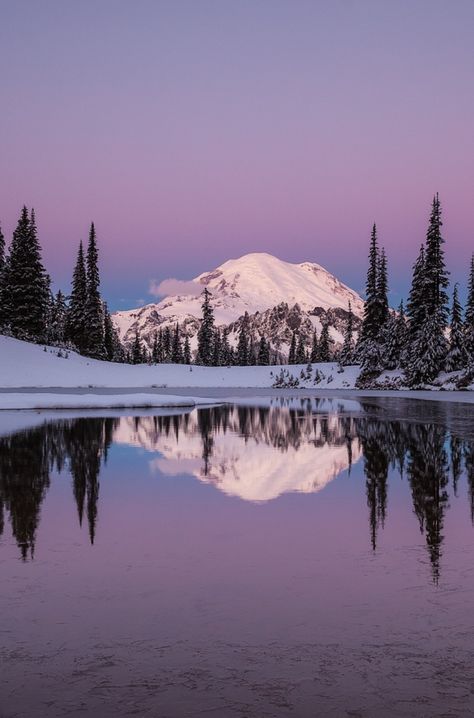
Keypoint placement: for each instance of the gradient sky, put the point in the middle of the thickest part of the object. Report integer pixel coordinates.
(193, 132)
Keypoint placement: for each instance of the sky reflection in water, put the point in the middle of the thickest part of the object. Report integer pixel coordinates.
(314, 523)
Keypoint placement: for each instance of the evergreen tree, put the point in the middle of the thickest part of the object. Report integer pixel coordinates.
(300, 356)
(382, 288)
(436, 275)
(177, 349)
(167, 344)
(95, 321)
(136, 350)
(469, 317)
(243, 348)
(427, 351)
(395, 340)
(314, 357)
(110, 336)
(57, 319)
(427, 307)
(371, 322)
(119, 354)
(76, 320)
(347, 352)
(2, 279)
(2, 251)
(263, 358)
(206, 331)
(26, 284)
(227, 354)
(416, 307)
(456, 358)
(325, 344)
(187, 351)
(292, 352)
(369, 347)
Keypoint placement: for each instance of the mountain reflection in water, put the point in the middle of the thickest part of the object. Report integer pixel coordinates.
(253, 453)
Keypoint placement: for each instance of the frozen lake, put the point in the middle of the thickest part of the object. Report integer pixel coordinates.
(302, 557)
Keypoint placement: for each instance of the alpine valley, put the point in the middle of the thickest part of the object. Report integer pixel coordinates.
(278, 297)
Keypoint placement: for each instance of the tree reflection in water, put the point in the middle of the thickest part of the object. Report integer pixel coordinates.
(419, 447)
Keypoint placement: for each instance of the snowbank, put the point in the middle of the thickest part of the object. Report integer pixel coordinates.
(96, 401)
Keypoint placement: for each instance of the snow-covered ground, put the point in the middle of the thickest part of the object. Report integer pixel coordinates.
(25, 365)
(32, 376)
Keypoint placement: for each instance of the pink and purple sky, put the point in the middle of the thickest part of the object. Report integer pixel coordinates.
(196, 131)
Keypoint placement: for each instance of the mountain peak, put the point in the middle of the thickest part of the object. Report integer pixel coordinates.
(252, 283)
(262, 281)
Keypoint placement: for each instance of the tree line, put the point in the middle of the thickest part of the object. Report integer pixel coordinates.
(430, 335)
(214, 349)
(213, 346)
(30, 311)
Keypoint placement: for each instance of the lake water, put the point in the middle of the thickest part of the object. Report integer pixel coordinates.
(304, 558)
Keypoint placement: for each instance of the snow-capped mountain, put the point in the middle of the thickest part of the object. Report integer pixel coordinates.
(279, 297)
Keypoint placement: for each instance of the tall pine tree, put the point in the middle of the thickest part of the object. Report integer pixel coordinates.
(469, 317)
(186, 350)
(206, 331)
(110, 338)
(76, 320)
(244, 348)
(371, 322)
(177, 349)
(2, 279)
(137, 349)
(382, 288)
(325, 344)
(300, 356)
(428, 307)
(26, 284)
(416, 307)
(167, 343)
(94, 312)
(437, 280)
(456, 357)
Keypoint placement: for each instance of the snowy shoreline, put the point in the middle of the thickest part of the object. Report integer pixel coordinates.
(35, 377)
(68, 399)
(76, 398)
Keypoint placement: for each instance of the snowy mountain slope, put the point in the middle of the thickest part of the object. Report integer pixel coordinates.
(254, 283)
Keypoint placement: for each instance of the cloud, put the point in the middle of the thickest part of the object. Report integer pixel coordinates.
(171, 287)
